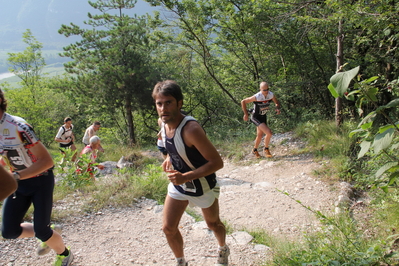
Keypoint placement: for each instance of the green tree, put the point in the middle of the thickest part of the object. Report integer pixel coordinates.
(43, 108)
(113, 62)
(194, 21)
(28, 65)
(240, 43)
(46, 116)
(366, 34)
(292, 44)
(377, 138)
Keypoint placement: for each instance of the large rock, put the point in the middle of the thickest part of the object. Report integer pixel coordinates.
(123, 163)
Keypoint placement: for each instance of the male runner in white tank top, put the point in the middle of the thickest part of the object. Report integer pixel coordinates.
(191, 164)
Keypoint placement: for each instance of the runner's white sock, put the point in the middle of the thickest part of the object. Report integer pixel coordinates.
(181, 260)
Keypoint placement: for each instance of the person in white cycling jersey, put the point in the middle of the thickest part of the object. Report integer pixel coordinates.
(32, 166)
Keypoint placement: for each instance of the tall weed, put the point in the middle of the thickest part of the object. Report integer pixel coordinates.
(75, 174)
(338, 241)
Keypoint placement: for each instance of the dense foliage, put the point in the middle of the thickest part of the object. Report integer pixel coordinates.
(112, 63)
(310, 52)
(378, 132)
(219, 51)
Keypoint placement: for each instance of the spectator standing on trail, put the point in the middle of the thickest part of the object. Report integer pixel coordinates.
(65, 137)
(191, 165)
(7, 183)
(90, 132)
(261, 102)
(32, 167)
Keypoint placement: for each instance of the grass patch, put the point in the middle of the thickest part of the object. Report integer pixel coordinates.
(120, 190)
(234, 144)
(229, 229)
(193, 213)
(263, 238)
(325, 139)
(337, 243)
(339, 240)
(383, 213)
(144, 179)
(329, 144)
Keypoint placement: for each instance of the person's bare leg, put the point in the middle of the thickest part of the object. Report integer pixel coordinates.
(172, 213)
(56, 243)
(259, 135)
(27, 230)
(268, 133)
(73, 148)
(212, 219)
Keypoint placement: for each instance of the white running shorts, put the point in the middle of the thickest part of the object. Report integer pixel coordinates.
(204, 201)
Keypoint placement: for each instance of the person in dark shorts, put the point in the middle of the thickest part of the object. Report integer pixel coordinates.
(31, 165)
(191, 164)
(65, 136)
(261, 101)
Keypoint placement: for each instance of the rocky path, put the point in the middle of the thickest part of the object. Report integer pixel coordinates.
(251, 199)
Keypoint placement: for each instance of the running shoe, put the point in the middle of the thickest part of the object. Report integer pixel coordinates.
(267, 153)
(223, 259)
(64, 260)
(256, 153)
(181, 262)
(43, 249)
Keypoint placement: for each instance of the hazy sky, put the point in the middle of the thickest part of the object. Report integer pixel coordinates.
(45, 17)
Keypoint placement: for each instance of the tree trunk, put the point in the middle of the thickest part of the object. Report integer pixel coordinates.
(129, 117)
(338, 100)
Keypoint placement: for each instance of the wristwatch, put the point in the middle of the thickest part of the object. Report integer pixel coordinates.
(16, 176)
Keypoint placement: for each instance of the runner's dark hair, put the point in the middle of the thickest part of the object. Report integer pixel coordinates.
(3, 104)
(168, 88)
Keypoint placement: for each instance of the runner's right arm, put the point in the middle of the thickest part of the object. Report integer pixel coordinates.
(43, 162)
(244, 106)
(59, 134)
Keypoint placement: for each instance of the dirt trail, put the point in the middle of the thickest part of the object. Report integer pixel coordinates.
(250, 199)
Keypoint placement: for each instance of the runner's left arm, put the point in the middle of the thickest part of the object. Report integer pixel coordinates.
(43, 161)
(277, 103)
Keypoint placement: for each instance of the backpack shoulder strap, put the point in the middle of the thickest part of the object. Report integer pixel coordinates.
(179, 141)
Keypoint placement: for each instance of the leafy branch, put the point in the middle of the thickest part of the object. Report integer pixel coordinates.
(384, 140)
